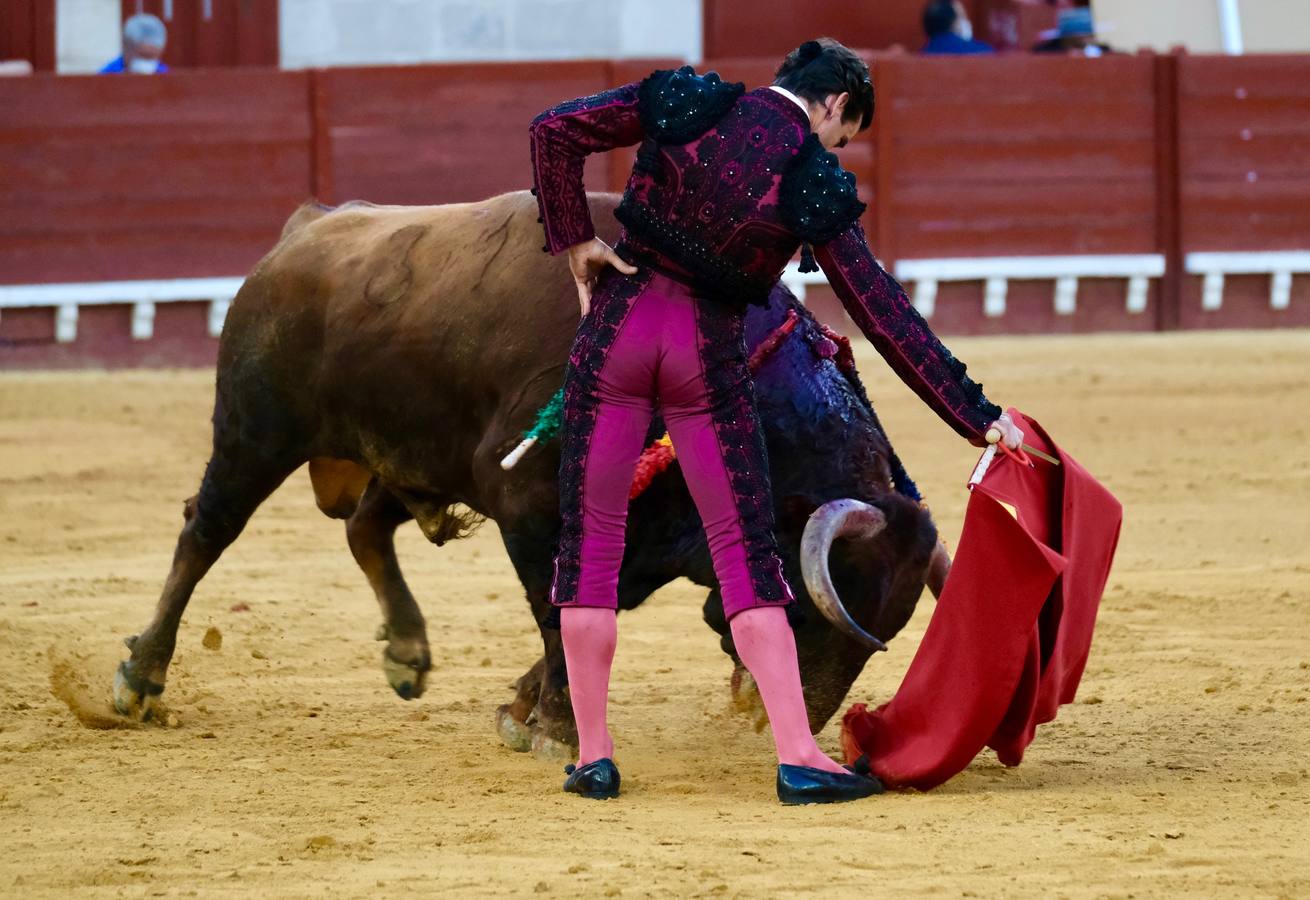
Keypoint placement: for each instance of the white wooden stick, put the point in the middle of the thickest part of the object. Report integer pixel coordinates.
(513, 457)
(984, 462)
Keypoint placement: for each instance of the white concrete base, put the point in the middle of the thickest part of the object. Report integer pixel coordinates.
(143, 295)
(996, 272)
(1279, 265)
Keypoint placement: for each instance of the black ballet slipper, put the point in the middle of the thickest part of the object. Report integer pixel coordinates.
(597, 780)
(801, 784)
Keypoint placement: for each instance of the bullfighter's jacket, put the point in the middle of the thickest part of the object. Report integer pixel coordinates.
(727, 185)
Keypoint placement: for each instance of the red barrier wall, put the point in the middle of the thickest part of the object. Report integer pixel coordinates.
(119, 178)
(1244, 177)
(194, 174)
(439, 134)
(1018, 156)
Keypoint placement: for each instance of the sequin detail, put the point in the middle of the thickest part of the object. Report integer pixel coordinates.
(709, 205)
(677, 105)
(818, 197)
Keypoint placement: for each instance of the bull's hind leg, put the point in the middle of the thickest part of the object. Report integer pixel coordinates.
(540, 718)
(371, 533)
(237, 479)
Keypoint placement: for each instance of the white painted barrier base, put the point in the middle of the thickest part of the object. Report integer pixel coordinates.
(996, 272)
(925, 274)
(1279, 265)
(143, 295)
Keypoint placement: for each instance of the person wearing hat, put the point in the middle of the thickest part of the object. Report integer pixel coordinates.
(144, 38)
(1074, 34)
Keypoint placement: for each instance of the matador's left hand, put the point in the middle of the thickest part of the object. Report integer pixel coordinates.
(587, 260)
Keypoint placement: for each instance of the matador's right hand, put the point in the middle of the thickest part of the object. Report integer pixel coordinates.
(1004, 431)
(587, 260)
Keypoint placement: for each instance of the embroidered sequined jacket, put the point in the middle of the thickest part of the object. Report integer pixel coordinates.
(727, 185)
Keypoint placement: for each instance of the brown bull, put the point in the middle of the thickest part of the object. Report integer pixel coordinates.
(402, 351)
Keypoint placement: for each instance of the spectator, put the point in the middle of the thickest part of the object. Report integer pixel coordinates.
(949, 30)
(1075, 33)
(144, 37)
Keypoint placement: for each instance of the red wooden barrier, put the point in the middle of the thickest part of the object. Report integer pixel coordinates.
(439, 134)
(194, 174)
(1020, 155)
(124, 178)
(1244, 176)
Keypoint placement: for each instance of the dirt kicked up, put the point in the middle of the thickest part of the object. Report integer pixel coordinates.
(288, 767)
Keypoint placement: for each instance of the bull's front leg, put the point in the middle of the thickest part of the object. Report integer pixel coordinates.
(371, 534)
(540, 718)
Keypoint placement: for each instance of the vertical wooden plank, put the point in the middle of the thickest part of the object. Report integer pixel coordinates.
(216, 35)
(27, 31)
(13, 30)
(184, 31)
(43, 35)
(257, 25)
(1168, 192)
(320, 83)
(16, 29)
(884, 85)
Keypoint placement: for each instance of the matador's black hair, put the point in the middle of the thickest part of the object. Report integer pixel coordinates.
(817, 69)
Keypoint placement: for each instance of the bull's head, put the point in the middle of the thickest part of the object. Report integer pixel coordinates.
(856, 551)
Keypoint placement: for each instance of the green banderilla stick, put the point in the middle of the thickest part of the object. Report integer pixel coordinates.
(549, 419)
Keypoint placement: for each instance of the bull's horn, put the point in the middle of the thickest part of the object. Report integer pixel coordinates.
(837, 518)
(939, 566)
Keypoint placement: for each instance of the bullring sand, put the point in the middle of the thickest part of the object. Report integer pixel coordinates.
(289, 768)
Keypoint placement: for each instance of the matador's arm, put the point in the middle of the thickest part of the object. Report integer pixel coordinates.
(879, 306)
(560, 139)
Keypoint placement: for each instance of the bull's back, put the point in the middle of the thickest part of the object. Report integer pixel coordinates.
(385, 323)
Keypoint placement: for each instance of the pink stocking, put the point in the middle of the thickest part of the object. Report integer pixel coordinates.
(590, 635)
(767, 647)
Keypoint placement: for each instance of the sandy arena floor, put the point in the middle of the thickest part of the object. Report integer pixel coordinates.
(292, 769)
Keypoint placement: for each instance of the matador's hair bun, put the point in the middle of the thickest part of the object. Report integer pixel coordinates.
(808, 52)
(817, 69)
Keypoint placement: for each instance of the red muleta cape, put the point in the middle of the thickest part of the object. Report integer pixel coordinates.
(1008, 641)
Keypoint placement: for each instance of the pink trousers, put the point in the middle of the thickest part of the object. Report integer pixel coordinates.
(649, 345)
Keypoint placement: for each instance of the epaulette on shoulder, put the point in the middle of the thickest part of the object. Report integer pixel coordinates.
(677, 105)
(818, 199)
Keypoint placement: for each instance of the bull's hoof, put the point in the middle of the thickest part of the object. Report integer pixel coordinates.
(135, 696)
(409, 681)
(549, 749)
(513, 733)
